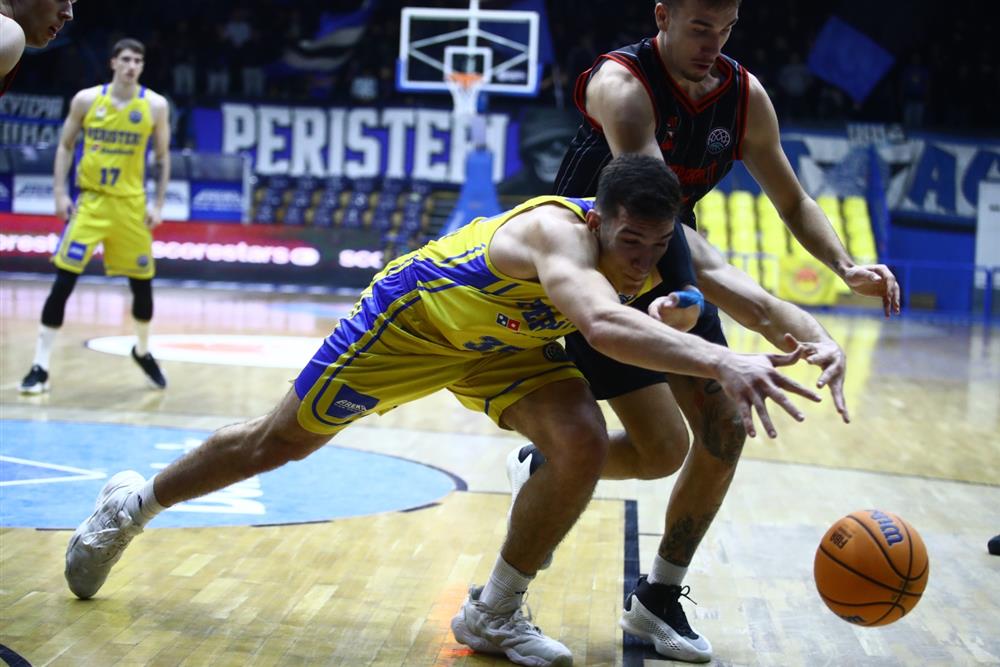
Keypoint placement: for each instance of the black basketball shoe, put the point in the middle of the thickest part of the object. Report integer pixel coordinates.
(36, 381)
(653, 612)
(152, 370)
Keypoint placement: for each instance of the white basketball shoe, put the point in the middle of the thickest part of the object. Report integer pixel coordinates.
(99, 541)
(521, 463)
(488, 631)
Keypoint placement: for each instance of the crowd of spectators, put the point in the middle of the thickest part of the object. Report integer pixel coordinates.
(203, 52)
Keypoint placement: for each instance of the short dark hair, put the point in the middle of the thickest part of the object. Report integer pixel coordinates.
(128, 44)
(642, 185)
(711, 4)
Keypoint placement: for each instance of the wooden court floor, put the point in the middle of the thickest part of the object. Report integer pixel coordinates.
(381, 589)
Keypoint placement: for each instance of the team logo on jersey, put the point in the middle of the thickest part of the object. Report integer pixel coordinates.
(508, 323)
(135, 116)
(718, 140)
(555, 352)
(101, 111)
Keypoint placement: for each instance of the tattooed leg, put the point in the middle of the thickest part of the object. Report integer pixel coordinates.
(718, 438)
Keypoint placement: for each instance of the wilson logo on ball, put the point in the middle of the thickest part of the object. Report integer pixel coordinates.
(889, 529)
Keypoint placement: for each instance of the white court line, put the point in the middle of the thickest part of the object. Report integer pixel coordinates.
(81, 474)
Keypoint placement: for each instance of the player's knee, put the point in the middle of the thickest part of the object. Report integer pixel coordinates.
(54, 310)
(662, 453)
(577, 453)
(664, 464)
(273, 447)
(723, 436)
(142, 299)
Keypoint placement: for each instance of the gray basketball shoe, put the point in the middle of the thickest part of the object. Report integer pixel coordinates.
(99, 541)
(487, 631)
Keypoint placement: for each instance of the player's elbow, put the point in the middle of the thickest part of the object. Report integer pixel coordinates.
(757, 314)
(601, 332)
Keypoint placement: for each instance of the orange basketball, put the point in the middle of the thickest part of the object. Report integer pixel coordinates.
(871, 568)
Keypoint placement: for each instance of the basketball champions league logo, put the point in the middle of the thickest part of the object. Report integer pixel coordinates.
(718, 140)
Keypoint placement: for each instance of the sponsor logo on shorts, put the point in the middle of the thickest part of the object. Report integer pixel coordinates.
(142, 260)
(76, 251)
(348, 403)
(508, 323)
(718, 140)
(555, 352)
(135, 116)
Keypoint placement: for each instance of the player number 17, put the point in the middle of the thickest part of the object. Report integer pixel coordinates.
(110, 174)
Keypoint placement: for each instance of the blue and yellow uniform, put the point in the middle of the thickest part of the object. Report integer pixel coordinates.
(111, 176)
(441, 317)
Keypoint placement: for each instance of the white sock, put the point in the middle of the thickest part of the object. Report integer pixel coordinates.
(506, 587)
(665, 572)
(141, 337)
(143, 506)
(43, 348)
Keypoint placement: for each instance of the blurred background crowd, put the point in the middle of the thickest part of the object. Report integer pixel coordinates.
(945, 56)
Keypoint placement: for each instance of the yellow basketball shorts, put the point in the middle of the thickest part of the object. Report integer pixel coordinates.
(117, 222)
(378, 359)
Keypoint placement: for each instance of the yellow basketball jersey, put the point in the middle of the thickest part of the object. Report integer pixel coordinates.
(114, 145)
(468, 300)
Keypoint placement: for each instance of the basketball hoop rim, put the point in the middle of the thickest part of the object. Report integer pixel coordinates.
(465, 80)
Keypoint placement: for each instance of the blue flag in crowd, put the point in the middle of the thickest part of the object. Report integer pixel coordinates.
(333, 42)
(849, 59)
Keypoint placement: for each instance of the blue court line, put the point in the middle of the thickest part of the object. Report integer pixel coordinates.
(634, 651)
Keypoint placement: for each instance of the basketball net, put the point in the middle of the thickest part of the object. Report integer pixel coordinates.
(465, 88)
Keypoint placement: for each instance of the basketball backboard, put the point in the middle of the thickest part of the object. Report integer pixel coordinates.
(500, 46)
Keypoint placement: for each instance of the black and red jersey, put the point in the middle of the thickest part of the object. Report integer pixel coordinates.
(9, 79)
(700, 138)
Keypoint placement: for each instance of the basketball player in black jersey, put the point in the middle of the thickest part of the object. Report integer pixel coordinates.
(676, 96)
(31, 23)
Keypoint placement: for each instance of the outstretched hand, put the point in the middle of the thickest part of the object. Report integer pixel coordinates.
(875, 280)
(749, 379)
(829, 357)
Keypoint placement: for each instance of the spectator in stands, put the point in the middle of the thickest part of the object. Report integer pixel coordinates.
(364, 86)
(182, 54)
(795, 80)
(916, 92)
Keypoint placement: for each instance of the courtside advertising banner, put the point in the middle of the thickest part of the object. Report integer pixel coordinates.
(6, 192)
(216, 200)
(220, 252)
(33, 194)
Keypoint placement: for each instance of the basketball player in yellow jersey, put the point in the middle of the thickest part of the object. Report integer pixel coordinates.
(117, 120)
(478, 312)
